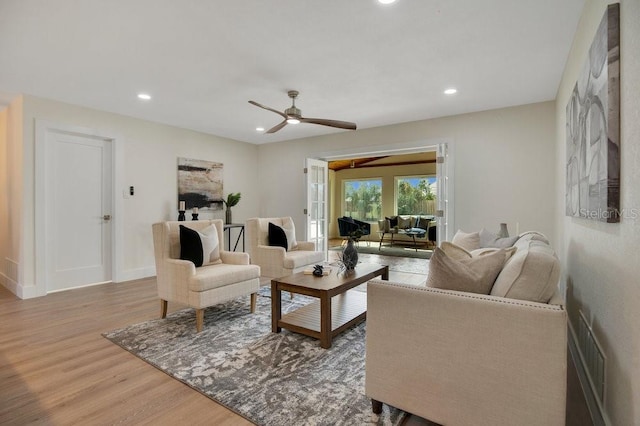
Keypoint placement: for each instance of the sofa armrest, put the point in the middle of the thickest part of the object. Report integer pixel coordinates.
(463, 358)
(184, 267)
(234, 258)
(306, 246)
(170, 272)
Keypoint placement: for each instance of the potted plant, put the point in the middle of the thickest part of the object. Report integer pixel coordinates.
(232, 200)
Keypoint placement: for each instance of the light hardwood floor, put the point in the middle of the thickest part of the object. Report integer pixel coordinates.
(57, 369)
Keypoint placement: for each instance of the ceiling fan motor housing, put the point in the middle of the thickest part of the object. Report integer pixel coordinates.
(293, 112)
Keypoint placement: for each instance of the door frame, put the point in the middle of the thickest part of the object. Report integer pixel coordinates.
(42, 129)
(308, 165)
(413, 147)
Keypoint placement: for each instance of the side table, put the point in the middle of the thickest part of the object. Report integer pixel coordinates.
(227, 230)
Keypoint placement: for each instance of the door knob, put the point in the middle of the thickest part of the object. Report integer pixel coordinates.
(106, 217)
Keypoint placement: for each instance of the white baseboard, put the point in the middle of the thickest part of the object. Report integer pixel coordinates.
(598, 416)
(9, 284)
(23, 292)
(136, 274)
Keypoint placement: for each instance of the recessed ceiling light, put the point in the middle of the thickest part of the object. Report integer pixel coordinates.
(450, 91)
(144, 96)
(386, 1)
(259, 129)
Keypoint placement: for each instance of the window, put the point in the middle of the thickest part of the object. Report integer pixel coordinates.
(362, 199)
(416, 195)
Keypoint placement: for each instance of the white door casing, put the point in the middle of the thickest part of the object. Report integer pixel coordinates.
(444, 176)
(75, 233)
(317, 177)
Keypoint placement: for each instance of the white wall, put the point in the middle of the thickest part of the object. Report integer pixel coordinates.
(150, 152)
(600, 260)
(504, 168)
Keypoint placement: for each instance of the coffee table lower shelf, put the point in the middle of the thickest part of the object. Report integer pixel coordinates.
(347, 309)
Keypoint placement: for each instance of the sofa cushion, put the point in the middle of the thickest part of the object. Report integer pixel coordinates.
(489, 239)
(297, 258)
(200, 247)
(531, 274)
(468, 241)
(223, 274)
(533, 235)
(473, 275)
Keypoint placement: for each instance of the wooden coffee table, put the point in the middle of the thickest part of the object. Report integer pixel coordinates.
(337, 308)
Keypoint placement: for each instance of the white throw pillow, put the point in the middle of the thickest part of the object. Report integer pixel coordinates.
(290, 232)
(468, 241)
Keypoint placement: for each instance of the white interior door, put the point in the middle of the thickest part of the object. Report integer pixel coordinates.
(78, 210)
(317, 194)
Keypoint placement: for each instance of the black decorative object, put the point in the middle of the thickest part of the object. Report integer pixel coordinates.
(194, 216)
(181, 216)
(318, 271)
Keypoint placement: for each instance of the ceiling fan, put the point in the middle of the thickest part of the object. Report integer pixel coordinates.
(294, 116)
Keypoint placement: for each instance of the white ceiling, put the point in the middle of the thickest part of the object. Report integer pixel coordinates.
(351, 60)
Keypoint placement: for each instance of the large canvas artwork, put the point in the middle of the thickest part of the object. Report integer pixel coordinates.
(200, 183)
(593, 128)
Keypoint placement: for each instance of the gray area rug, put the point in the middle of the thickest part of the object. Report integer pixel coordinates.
(395, 251)
(268, 378)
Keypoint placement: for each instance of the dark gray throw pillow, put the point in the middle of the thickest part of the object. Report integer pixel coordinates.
(393, 221)
(277, 236)
(489, 239)
(191, 246)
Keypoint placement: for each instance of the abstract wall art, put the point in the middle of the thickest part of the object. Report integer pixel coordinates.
(593, 128)
(200, 184)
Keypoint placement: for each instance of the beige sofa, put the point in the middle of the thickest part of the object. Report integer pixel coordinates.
(459, 358)
(390, 234)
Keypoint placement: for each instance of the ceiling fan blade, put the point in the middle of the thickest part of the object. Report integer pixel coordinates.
(277, 127)
(268, 109)
(331, 123)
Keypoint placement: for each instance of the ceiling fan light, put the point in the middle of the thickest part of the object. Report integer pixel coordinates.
(293, 120)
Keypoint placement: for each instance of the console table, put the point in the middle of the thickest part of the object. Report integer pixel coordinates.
(227, 230)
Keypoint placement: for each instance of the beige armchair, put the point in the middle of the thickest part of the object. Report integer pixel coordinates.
(200, 287)
(275, 261)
